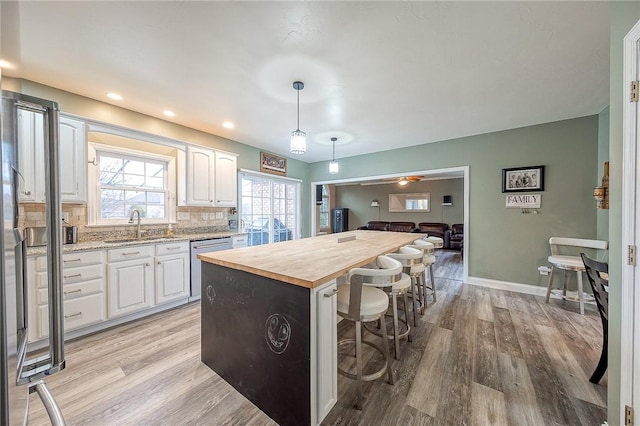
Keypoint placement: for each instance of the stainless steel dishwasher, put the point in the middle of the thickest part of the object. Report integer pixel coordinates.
(199, 247)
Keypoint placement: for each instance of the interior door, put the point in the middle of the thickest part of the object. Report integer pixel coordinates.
(269, 209)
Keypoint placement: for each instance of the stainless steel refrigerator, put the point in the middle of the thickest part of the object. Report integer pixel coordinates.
(21, 373)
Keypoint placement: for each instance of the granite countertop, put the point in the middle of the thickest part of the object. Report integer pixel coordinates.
(116, 243)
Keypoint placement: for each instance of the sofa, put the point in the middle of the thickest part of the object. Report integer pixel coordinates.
(454, 238)
(376, 225)
(433, 229)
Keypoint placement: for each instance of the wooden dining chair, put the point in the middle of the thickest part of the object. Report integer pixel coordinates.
(598, 275)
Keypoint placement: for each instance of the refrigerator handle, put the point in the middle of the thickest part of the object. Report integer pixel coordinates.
(53, 410)
(54, 239)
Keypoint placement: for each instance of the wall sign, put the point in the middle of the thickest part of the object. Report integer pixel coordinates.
(523, 201)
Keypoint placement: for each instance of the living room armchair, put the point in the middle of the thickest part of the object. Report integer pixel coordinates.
(454, 238)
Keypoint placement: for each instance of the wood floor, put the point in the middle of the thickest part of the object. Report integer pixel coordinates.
(479, 357)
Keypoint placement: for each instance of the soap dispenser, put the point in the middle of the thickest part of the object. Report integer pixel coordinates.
(170, 230)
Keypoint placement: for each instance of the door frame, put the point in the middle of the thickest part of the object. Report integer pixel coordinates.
(630, 303)
(465, 176)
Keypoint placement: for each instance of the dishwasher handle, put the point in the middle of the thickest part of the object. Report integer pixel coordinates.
(212, 245)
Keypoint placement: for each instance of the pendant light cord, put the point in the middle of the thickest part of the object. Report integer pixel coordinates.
(298, 90)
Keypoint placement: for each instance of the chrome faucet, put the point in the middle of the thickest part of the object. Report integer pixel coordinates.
(133, 212)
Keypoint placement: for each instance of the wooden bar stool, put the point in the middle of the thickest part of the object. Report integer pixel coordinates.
(570, 263)
(361, 304)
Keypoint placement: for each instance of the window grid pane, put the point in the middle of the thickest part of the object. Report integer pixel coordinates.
(127, 183)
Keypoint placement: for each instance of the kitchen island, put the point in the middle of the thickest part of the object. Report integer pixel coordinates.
(269, 318)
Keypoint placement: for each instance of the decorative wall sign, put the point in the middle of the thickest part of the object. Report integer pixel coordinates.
(523, 179)
(270, 163)
(529, 201)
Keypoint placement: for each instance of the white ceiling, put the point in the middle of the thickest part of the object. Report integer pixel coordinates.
(380, 75)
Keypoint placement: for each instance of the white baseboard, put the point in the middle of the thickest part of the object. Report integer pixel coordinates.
(509, 286)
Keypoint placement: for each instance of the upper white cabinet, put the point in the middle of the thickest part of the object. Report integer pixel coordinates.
(30, 157)
(207, 178)
(73, 160)
(226, 183)
(31, 162)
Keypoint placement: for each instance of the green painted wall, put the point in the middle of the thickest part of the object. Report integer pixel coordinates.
(358, 199)
(623, 17)
(603, 155)
(505, 244)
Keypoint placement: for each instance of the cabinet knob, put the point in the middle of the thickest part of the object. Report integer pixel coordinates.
(147, 264)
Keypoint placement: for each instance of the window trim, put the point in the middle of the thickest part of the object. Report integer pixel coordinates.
(93, 197)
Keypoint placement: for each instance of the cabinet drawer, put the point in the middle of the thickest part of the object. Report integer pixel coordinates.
(71, 275)
(72, 291)
(239, 241)
(129, 253)
(71, 260)
(77, 313)
(172, 248)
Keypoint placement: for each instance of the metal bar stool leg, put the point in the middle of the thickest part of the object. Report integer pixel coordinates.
(433, 282)
(406, 316)
(580, 292)
(396, 330)
(359, 362)
(387, 354)
(415, 301)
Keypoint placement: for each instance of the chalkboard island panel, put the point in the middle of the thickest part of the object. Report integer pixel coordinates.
(272, 338)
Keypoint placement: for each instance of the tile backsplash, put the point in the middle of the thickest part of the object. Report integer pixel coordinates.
(188, 218)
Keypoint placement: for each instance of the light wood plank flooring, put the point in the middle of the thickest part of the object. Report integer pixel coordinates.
(479, 357)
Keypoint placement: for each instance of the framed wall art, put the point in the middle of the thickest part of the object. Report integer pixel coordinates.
(522, 179)
(270, 163)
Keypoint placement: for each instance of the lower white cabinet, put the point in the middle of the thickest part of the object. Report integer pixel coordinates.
(325, 349)
(172, 272)
(99, 285)
(83, 290)
(130, 286)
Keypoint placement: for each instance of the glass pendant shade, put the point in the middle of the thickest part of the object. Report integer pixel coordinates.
(298, 142)
(333, 164)
(298, 137)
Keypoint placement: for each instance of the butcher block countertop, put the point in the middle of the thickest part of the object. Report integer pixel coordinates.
(310, 262)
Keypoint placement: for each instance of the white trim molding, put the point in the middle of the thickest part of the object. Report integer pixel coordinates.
(629, 333)
(535, 290)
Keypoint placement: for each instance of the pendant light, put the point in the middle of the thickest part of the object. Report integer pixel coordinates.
(298, 137)
(334, 167)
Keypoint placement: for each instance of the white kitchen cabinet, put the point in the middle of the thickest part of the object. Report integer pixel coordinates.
(200, 177)
(83, 290)
(241, 240)
(31, 162)
(207, 178)
(73, 160)
(30, 157)
(325, 349)
(172, 272)
(129, 282)
(226, 180)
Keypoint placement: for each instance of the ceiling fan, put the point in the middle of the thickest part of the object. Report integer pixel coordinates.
(403, 180)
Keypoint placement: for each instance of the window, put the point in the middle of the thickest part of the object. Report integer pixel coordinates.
(269, 208)
(324, 209)
(127, 180)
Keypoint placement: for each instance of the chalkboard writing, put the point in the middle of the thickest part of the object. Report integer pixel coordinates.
(211, 293)
(277, 333)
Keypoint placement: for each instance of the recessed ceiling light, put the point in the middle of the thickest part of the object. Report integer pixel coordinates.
(5, 64)
(114, 96)
(169, 113)
(228, 125)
